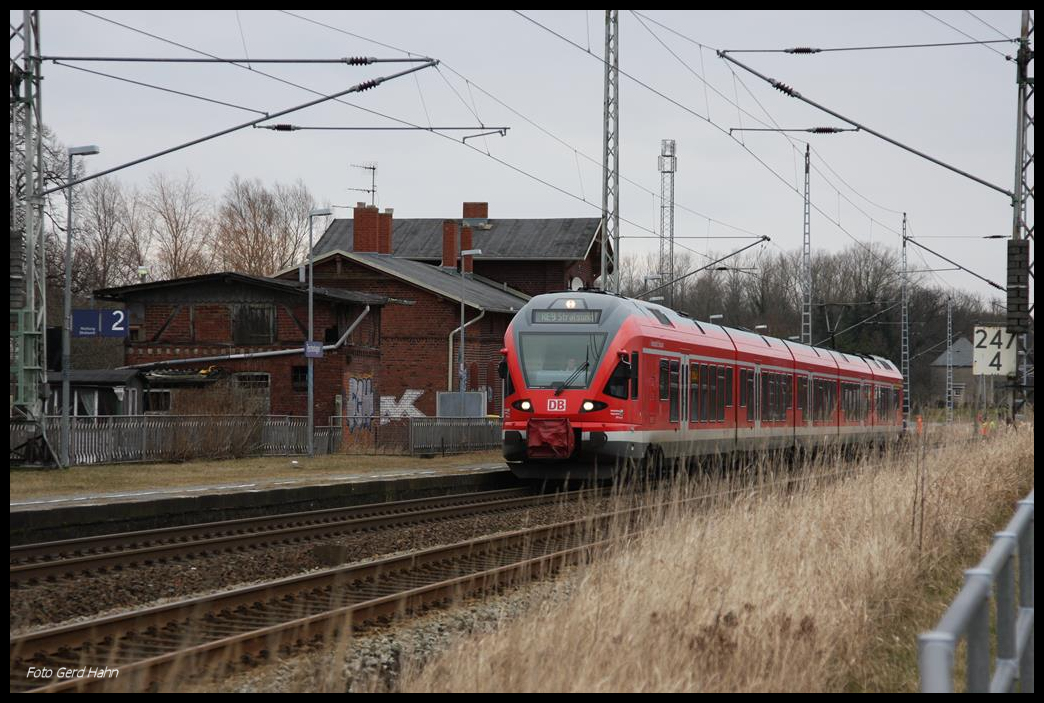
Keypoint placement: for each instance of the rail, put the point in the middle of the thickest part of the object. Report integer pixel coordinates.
(969, 616)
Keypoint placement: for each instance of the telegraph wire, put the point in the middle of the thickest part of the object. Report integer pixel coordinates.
(963, 33)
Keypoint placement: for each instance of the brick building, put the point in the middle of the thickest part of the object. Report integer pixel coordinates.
(420, 342)
(533, 256)
(231, 343)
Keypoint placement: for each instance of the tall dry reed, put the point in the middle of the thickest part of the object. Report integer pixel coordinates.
(787, 582)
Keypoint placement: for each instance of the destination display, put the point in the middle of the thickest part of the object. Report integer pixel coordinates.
(576, 317)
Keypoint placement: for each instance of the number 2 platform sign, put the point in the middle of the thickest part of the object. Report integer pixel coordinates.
(99, 323)
(995, 349)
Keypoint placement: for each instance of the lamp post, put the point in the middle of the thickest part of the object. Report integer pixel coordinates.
(322, 212)
(67, 311)
(460, 371)
(717, 316)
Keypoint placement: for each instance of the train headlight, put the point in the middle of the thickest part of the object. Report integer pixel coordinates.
(588, 405)
(591, 405)
(523, 405)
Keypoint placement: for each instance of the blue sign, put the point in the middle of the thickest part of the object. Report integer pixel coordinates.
(113, 323)
(314, 350)
(85, 323)
(99, 323)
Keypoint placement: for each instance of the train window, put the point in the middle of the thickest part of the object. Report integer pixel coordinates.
(788, 394)
(674, 378)
(694, 392)
(509, 387)
(664, 380)
(617, 385)
(802, 392)
(766, 396)
(704, 392)
(728, 387)
(743, 388)
(752, 399)
(634, 375)
(722, 391)
(712, 402)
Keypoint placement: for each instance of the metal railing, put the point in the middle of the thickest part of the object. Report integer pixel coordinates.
(128, 438)
(969, 616)
(453, 435)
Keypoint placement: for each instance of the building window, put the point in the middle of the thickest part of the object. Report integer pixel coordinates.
(255, 387)
(299, 379)
(157, 402)
(253, 324)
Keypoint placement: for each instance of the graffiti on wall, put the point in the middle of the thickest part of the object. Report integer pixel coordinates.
(360, 403)
(403, 407)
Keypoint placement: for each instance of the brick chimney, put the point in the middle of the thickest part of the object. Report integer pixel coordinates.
(465, 243)
(384, 232)
(449, 244)
(479, 211)
(366, 224)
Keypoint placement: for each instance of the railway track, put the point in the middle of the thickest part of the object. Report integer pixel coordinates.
(154, 646)
(69, 558)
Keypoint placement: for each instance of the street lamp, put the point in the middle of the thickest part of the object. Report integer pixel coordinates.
(321, 212)
(718, 316)
(460, 371)
(761, 328)
(66, 343)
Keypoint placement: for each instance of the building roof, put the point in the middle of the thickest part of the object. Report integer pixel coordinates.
(95, 377)
(962, 353)
(566, 239)
(233, 278)
(478, 292)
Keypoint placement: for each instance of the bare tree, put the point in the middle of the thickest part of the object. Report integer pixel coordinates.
(100, 239)
(181, 226)
(138, 232)
(261, 231)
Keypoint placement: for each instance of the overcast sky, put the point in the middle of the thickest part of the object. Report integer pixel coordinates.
(958, 104)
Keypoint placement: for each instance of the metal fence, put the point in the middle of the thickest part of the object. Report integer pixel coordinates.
(446, 435)
(969, 615)
(128, 438)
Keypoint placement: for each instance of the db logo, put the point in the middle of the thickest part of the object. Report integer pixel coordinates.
(556, 405)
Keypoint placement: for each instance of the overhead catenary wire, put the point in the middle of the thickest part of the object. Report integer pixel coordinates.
(365, 85)
(817, 50)
(160, 88)
(965, 34)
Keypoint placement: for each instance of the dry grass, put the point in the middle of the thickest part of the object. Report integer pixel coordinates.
(816, 588)
(124, 477)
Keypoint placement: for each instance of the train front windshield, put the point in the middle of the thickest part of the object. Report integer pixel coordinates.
(552, 359)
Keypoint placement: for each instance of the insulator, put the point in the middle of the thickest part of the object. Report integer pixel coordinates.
(783, 87)
(367, 85)
(283, 128)
(359, 60)
(802, 50)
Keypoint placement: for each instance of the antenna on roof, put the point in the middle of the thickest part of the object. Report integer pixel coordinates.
(372, 190)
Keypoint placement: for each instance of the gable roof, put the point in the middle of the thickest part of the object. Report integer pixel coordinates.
(963, 353)
(478, 292)
(233, 278)
(567, 239)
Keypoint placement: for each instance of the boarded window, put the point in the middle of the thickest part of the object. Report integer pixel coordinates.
(253, 324)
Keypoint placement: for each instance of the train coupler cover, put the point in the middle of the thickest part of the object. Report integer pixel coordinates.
(549, 439)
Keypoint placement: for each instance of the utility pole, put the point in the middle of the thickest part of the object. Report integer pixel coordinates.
(28, 290)
(668, 165)
(611, 157)
(806, 264)
(905, 335)
(1020, 260)
(949, 361)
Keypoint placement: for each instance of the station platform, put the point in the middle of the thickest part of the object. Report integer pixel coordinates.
(56, 515)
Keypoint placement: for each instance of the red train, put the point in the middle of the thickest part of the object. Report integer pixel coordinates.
(596, 382)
